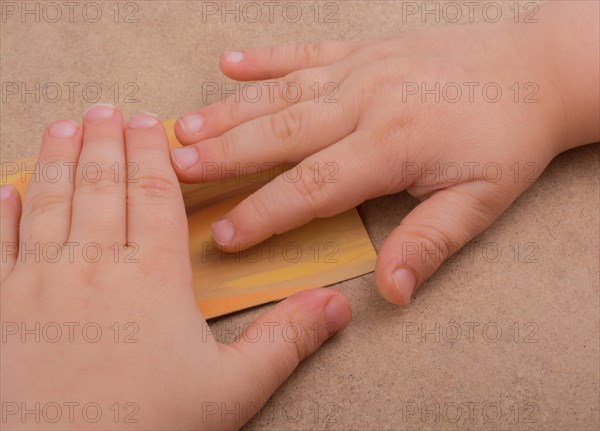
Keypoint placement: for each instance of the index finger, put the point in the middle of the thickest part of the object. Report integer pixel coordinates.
(323, 185)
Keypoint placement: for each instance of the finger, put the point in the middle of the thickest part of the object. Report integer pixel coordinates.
(331, 181)
(99, 208)
(431, 233)
(269, 351)
(289, 135)
(259, 99)
(10, 214)
(155, 211)
(277, 61)
(47, 203)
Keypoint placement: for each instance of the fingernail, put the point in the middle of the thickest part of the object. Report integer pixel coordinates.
(222, 231)
(191, 123)
(405, 282)
(338, 315)
(99, 111)
(63, 129)
(234, 56)
(185, 157)
(143, 121)
(6, 192)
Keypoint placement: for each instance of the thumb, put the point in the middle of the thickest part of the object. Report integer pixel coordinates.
(432, 232)
(271, 348)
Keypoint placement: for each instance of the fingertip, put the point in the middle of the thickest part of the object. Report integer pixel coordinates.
(234, 57)
(189, 126)
(144, 131)
(222, 232)
(145, 120)
(238, 230)
(397, 283)
(247, 65)
(333, 304)
(63, 129)
(10, 208)
(338, 314)
(10, 215)
(101, 111)
(403, 284)
(184, 158)
(9, 195)
(231, 62)
(181, 134)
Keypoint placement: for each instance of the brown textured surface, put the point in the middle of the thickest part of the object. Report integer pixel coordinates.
(376, 373)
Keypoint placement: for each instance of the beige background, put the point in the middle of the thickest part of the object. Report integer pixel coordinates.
(379, 373)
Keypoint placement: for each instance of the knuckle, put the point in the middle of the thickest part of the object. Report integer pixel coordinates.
(53, 169)
(291, 87)
(154, 184)
(436, 237)
(98, 178)
(56, 162)
(44, 203)
(296, 349)
(303, 344)
(390, 155)
(230, 105)
(286, 125)
(311, 186)
(295, 335)
(274, 52)
(374, 52)
(226, 145)
(309, 53)
(482, 210)
(259, 209)
(89, 270)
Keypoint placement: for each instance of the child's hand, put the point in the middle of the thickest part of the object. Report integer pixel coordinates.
(110, 334)
(464, 118)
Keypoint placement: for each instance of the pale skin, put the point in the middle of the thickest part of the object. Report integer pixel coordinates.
(372, 135)
(381, 137)
(175, 376)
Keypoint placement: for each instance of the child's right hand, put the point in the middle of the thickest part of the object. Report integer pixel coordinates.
(97, 300)
(468, 156)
